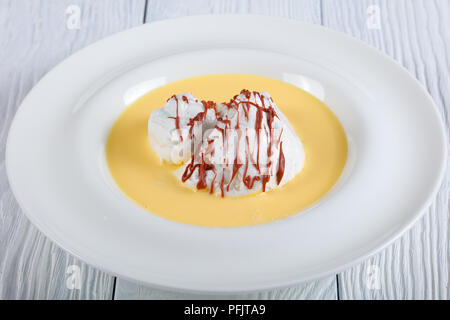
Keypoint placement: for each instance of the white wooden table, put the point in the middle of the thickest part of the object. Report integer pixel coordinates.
(37, 34)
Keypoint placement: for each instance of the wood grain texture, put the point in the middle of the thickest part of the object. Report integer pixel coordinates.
(416, 33)
(305, 10)
(320, 289)
(34, 37)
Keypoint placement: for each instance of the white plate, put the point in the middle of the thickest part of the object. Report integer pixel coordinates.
(56, 162)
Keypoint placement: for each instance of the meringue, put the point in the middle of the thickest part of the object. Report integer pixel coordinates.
(236, 148)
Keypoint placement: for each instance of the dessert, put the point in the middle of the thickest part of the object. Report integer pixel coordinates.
(141, 164)
(234, 148)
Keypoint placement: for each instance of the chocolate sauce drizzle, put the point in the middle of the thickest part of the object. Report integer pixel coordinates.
(203, 167)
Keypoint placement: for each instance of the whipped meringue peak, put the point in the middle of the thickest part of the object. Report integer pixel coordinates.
(236, 148)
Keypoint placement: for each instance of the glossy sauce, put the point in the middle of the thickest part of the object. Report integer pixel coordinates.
(151, 184)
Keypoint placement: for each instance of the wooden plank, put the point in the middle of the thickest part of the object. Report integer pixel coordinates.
(320, 289)
(35, 36)
(305, 10)
(416, 34)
